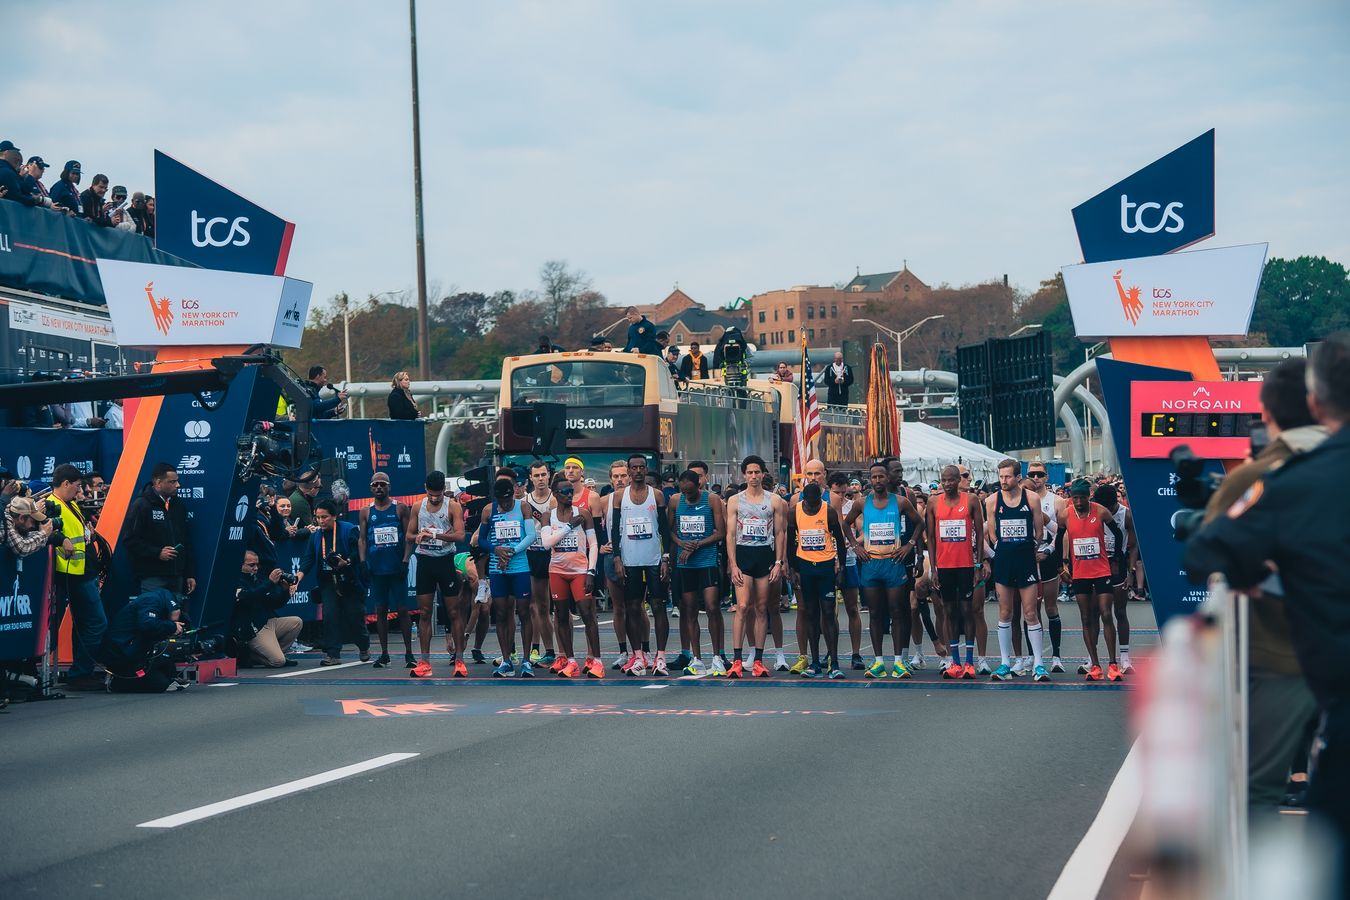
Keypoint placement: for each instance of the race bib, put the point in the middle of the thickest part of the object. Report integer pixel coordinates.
(386, 535)
(1012, 529)
(952, 530)
(756, 528)
(432, 544)
(881, 533)
(569, 541)
(639, 530)
(506, 531)
(813, 539)
(1087, 548)
(692, 526)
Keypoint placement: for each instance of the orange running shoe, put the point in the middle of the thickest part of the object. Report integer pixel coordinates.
(1113, 673)
(559, 664)
(759, 670)
(968, 671)
(954, 671)
(571, 670)
(737, 670)
(461, 670)
(421, 670)
(1095, 673)
(595, 668)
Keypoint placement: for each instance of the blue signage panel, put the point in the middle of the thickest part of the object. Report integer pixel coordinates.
(363, 447)
(24, 605)
(1165, 206)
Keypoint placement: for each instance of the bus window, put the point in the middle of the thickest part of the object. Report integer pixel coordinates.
(583, 382)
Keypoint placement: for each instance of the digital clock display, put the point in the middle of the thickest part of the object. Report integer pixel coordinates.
(1197, 425)
(1213, 418)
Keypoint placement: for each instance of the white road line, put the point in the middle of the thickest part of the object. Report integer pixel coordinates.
(318, 670)
(281, 790)
(653, 687)
(223, 684)
(1086, 869)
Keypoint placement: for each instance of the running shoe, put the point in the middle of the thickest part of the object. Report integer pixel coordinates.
(526, 670)
(461, 670)
(953, 672)
(595, 668)
(557, 665)
(737, 670)
(1126, 667)
(899, 671)
(836, 674)
(682, 661)
(364, 656)
(504, 670)
(534, 656)
(1113, 673)
(1094, 673)
(571, 670)
(421, 670)
(814, 670)
(330, 661)
(981, 665)
(674, 612)
(800, 665)
(382, 662)
(1056, 664)
(659, 668)
(782, 664)
(718, 669)
(300, 647)
(478, 657)
(620, 664)
(409, 661)
(944, 662)
(1084, 668)
(639, 666)
(549, 658)
(1039, 674)
(916, 661)
(759, 670)
(877, 669)
(1002, 673)
(634, 661)
(1018, 668)
(696, 667)
(857, 663)
(968, 672)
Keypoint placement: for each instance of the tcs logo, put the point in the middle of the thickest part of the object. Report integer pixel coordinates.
(1132, 217)
(237, 235)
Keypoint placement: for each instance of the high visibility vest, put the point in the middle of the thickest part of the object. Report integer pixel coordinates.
(73, 529)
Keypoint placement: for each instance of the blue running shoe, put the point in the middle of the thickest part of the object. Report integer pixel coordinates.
(505, 670)
(814, 670)
(1040, 674)
(1002, 673)
(526, 670)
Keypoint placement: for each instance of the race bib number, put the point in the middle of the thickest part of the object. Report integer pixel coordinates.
(386, 535)
(1087, 548)
(881, 533)
(756, 528)
(1012, 529)
(506, 531)
(952, 530)
(569, 541)
(813, 539)
(639, 530)
(691, 526)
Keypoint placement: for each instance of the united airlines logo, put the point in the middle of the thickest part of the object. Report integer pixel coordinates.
(160, 309)
(1129, 299)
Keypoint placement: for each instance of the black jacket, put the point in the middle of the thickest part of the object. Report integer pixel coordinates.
(14, 189)
(1295, 518)
(322, 408)
(151, 525)
(836, 394)
(257, 600)
(136, 627)
(687, 367)
(91, 207)
(400, 407)
(642, 338)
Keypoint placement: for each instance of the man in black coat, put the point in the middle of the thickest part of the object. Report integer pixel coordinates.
(157, 538)
(263, 636)
(135, 630)
(838, 379)
(641, 333)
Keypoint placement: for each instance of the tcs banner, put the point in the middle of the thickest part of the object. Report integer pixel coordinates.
(210, 225)
(363, 447)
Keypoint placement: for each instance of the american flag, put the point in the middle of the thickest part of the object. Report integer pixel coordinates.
(806, 425)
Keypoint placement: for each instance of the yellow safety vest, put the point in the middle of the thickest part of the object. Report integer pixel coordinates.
(74, 529)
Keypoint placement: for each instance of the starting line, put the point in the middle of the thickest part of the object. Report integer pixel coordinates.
(713, 683)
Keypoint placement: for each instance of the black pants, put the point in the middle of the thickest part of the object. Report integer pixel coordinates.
(1329, 781)
(131, 676)
(344, 617)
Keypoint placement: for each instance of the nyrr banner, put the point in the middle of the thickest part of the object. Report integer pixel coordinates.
(210, 225)
(1152, 492)
(23, 604)
(32, 454)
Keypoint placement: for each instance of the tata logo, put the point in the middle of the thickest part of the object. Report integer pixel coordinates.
(23, 467)
(241, 509)
(236, 235)
(1169, 220)
(236, 533)
(197, 430)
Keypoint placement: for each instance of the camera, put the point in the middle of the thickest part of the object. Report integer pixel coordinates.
(189, 645)
(53, 511)
(288, 579)
(1194, 488)
(334, 559)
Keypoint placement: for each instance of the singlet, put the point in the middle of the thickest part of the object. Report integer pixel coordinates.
(542, 510)
(851, 555)
(570, 555)
(882, 528)
(438, 521)
(1119, 516)
(507, 528)
(1013, 526)
(815, 544)
(1086, 539)
(1051, 523)
(754, 521)
(955, 527)
(384, 540)
(694, 522)
(641, 538)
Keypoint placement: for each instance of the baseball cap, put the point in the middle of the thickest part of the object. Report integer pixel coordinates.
(24, 506)
(6, 146)
(73, 165)
(119, 190)
(38, 161)
(1080, 488)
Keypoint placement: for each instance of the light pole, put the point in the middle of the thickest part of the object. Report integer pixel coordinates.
(1025, 328)
(423, 337)
(899, 336)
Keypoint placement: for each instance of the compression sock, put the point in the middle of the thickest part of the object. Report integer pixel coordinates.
(623, 648)
(1055, 631)
(1004, 641)
(1124, 655)
(1036, 638)
(970, 652)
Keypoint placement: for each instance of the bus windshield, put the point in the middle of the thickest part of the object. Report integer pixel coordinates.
(582, 382)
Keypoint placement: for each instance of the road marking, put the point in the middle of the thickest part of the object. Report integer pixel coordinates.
(319, 669)
(1086, 869)
(654, 687)
(223, 684)
(281, 790)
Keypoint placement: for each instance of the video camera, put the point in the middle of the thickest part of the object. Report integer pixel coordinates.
(191, 644)
(268, 450)
(1194, 488)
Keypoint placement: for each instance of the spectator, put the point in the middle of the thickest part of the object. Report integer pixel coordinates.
(74, 581)
(65, 193)
(148, 226)
(11, 185)
(783, 373)
(27, 528)
(601, 344)
(265, 636)
(546, 345)
(157, 537)
(663, 339)
(334, 554)
(838, 379)
(117, 210)
(673, 363)
(280, 525)
(641, 333)
(401, 402)
(91, 201)
(303, 500)
(112, 416)
(323, 408)
(32, 179)
(137, 211)
(695, 364)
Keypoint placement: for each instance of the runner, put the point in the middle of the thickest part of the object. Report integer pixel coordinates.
(756, 543)
(817, 538)
(779, 600)
(688, 631)
(1049, 562)
(697, 526)
(843, 495)
(539, 502)
(384, 551)
(883, 556)
(1083, 526)
(812, 473)
(641, 562)
(506, 532)
(1122, 564)
(954, 518)
(618, 480)
(570, 536)
(1013, 523)
(983, 576)
(435, 524)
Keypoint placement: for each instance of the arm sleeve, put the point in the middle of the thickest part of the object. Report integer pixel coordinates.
(663, 526)
(792, 543)
(528, 532)
(592, 549)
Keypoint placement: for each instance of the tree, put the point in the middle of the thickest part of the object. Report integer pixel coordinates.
(1302, 300)
(559, 287)
(970, 314)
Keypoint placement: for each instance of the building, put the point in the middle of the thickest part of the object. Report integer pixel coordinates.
(779, 319)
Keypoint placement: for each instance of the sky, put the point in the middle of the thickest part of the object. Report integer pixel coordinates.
(727, 146)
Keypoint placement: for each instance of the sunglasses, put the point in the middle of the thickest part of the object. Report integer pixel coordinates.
(375, 484)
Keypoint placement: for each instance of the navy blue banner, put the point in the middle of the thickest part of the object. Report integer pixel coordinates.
(212, 226)
(289, 555)
(53, 253)
(365, 446)
(1167, 205)
(1152, 493)
(32, 454)
(23, 604)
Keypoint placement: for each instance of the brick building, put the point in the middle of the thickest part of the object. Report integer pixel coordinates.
(688, 320)
(778, 319)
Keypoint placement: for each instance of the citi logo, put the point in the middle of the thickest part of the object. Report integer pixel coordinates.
(241, 509)
(197, 429)
(1132, 217)
(237, 235)
(23, 467)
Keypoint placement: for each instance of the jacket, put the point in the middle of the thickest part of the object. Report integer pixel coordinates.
(642, 338)
(1293, 516)
(348, 544)
(257, 600)
(400, 407)
(321, 409)
(91, 207)
(66, 195)
(150, 526)
(687, 367)
(836, 394)
(13, 185)
(21, 545)
(136, 627)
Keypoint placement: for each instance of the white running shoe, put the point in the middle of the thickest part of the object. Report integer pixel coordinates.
(299, 647)
(696, 667)
(782, 663)
(943, 663)
(916, 661)
(718, 668)
(1056, 664)
(1084, 668)
(483, 596)
(620, 662)
(1019, 667)
(1126, 667)
(982, 666)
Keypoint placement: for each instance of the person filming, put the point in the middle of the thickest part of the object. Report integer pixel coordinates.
(75, 582)
(263, 636)
(131, 649)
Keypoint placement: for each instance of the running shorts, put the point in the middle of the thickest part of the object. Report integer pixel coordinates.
(817, 579)
(389, 592)
(1117, 575)
(567, 587)
(1048, 568)
(850, 577)
(539, 560)
(510, 584)
(643, 582)
(1016, 568)
(692, 581)
(606, 567)
(1090, 587)
(881, 573)
(956, 585)
(754, 562)
(437, 573)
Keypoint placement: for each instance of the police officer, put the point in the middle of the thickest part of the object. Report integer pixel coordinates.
(1292, 521)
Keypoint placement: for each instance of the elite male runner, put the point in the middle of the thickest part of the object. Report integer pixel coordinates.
(1082, 528)
(435, 524)
(1122, 565)
(955, 519)
(1013, 524)
(638, 530)
(618, 480)
(842, 498)
(1049, 562)
(697, 526)
(506, 531)
(812, 473)
(816, 536)
(756, 545)
(539, 502)
(384, 551)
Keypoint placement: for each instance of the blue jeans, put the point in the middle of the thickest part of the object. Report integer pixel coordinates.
(90, 621)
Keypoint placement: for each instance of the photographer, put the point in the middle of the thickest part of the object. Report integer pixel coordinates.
(27, 528)
(156, 535)
(1291, 522)
(75, 582)
(334, 553)
(264, 637)
(131, 652)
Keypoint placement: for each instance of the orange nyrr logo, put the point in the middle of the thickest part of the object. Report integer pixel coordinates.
(160, 309)
(1129, 299)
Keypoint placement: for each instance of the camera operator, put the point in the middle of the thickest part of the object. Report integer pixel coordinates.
(75, 581)
(263, 635)
(131, 650)
(27, 528)
(1292, 521)
(157, 537)
(334, 552)
(10, 487)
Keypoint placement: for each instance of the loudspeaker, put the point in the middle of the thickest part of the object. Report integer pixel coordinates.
(549, 428)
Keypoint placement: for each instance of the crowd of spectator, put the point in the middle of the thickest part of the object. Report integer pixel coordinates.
(99, 204)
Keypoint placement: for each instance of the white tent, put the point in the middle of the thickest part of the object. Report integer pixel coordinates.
(925, 450)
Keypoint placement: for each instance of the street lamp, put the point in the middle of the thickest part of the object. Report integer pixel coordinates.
(899, 336)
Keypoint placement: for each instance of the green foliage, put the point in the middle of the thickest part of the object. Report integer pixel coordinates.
(1302, 300)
